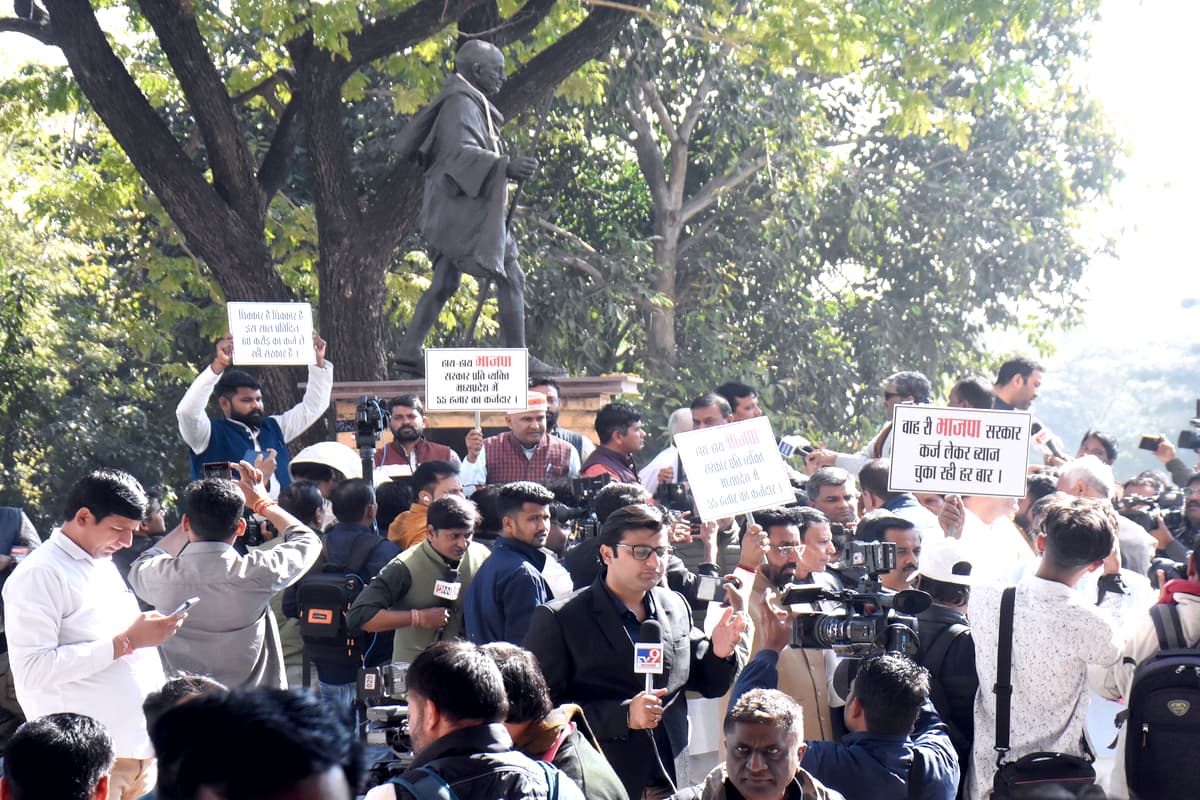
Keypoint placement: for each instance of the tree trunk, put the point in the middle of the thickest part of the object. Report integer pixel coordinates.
(660, 335)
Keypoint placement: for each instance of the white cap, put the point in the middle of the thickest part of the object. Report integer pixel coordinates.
(945, 561)
(331, 454)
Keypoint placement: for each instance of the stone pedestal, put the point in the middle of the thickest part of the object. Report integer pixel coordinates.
(579, 400)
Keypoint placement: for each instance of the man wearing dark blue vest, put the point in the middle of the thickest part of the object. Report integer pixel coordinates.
(244, 432)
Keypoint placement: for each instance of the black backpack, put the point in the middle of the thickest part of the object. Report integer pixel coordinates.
(324, 595)
(1162, 734)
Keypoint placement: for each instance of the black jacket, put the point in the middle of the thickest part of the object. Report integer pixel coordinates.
(479, 764)
(587, 657)
(953, 687)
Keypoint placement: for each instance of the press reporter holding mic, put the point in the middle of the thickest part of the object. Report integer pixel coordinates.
(419, 594)
(586, 646)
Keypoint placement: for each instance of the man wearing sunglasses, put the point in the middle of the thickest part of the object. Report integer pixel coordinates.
(584, 643)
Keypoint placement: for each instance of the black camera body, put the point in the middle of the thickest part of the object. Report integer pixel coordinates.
(675, 496)
(870, 621)
(370, 419)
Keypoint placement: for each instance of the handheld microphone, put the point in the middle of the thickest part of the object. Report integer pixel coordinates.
(445, 593)
(648, 652)
(1044, 438)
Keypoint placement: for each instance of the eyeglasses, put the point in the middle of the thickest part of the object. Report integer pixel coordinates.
(641, 552)
(890, 395)
(1188, 491)
(787, 549)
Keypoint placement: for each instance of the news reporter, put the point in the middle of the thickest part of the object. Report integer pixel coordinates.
(584, 643)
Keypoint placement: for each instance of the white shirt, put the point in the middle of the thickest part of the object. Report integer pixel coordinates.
(1056, 635)
(196, 428)
(997, 552)
(62, 609)
(474, 474)
(649, 473)
(854, 463)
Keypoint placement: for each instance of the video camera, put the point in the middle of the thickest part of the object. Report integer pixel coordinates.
(1148, 510)
(387, 723)
(1190, 439)
(675, 497)
(871, 621)
(577, 516)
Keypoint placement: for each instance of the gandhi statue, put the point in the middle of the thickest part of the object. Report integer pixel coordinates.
(456, 139)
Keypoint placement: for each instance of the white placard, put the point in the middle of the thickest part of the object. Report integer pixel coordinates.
(734, 468)
(959, 451)
(271, 333)
(476, 379)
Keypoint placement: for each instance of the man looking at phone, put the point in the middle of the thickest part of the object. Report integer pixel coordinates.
(231, 635)
(244, 432)
(77, 641)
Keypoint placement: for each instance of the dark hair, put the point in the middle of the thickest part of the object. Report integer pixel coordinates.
(106, 492)
(1039, 485)
(873, 527)
(943, 591)
(1149, 477)
(461, 680)
(524, 685)
(234, 379)
(485, 500)
(61, 756)
(733, 391)
(1107, 440)
(350, 500)
(452, 513)
(873, 478)
(314, 471)
(391, 499)
(806, 517)
(428, 475)
(775, 516)
(975, 391)
(825, 476)
(1078, 531)
(513, 497)
(766, 707)
(176, 690)
(892, 689)
(618, 495)
(408, 401)
(615, 418)
(1021, 365)
(302, 499)
(635, 517)
(213, 507)
(543, 380)
(912, 384)
(296, 733)
(713, 399)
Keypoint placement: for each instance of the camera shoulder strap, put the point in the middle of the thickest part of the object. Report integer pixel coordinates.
(1003, 688)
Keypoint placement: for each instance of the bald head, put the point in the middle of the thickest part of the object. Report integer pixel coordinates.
(482, 64)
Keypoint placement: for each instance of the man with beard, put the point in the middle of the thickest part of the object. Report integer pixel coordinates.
(803, 673)
(409, 447)
(549, 387)
(244, 432)
(1017, 384)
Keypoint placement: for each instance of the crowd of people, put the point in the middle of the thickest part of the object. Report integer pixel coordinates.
(225, 658)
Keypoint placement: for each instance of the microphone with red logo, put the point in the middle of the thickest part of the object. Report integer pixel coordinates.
(648, 652)
(445, 593)
(1044, 438)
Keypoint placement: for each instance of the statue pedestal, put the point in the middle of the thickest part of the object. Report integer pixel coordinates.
(579, 400)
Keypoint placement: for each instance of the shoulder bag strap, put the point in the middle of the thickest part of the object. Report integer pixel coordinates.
(360, 551)
(552, 773)
(428, 785)
(1167, 626)
(1003, 688)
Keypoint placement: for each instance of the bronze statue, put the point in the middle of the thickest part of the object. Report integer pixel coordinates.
(456, 139)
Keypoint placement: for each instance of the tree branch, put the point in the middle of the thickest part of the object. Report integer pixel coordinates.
(232, 165)
(391, 34)
(521, 23)
(34, 29)
(574, 238)
(648, 88)
(206, 221)
(276, 164)
(649, 156)
(751, 163)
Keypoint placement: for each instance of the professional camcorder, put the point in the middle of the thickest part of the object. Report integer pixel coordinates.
(870, 621)
(387, 724)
